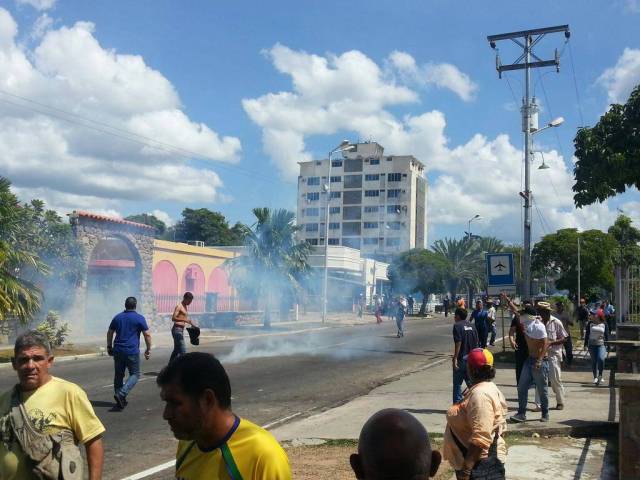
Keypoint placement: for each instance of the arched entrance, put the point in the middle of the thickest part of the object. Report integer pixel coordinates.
(114, 273)
(193, 281)
(165, 286)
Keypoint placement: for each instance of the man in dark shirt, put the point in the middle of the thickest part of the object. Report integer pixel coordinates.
(518, 342)
(465, 338)
(583, 316)
(126, 350)
(480, 318)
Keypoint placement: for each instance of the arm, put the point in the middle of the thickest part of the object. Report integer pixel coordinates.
(95, 457)
(456, 351)
(147, 340)
(110, 333)
(512, 337)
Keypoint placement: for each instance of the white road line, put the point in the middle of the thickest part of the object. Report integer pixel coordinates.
(171, 463)
(140, 380)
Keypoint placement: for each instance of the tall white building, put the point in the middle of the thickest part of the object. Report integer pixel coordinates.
(378, 203)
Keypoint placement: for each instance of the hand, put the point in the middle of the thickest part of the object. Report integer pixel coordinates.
(110, 350)
(147, 354)
(538, 364)
(455, 363)
(463, 474)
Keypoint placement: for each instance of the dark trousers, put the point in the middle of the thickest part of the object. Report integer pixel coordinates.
(483, 333)
(520, 359)
(568, 351)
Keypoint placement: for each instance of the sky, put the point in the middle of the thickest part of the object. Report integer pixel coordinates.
(153, 106)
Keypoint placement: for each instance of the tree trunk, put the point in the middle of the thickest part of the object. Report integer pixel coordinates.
(423, 307)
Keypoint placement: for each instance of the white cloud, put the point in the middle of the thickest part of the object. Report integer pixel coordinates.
(43, 23)
(163, 216)
(121, 98)
(442, 75)
(38, 4)
(620, 79)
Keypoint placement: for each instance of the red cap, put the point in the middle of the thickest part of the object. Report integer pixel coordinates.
(479, 357)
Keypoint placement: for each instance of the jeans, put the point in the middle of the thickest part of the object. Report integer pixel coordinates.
(494, 332)
(598, 354)
(540, 377)
(568, 350)
(179, 347)
(483, 333)
(400, 321)
(459, 376)
(121, 362)
(555, 379)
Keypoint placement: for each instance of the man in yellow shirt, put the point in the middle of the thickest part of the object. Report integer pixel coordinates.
(53, 407)
(214, 442)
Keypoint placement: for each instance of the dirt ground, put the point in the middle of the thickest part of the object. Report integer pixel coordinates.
(332, 461)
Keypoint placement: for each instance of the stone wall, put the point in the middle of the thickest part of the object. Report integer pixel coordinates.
(90, 229)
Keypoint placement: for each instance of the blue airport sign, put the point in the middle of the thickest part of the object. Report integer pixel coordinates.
(500, 271)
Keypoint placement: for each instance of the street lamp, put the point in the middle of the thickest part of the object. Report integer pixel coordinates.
(475, 217)
(343, 147)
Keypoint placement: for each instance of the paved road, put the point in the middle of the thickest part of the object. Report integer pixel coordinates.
(313, 371)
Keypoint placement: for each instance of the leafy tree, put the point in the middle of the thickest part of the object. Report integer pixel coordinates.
(558, 252)
(151, 220)
(207, 226)
(608, 154)
(19, 297)
(418, 270)
(273, 262)
(627, 236)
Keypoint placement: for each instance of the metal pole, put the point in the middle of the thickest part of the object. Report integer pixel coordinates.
(526, 124)
(578, 268)
(504, 347)
(325, 279)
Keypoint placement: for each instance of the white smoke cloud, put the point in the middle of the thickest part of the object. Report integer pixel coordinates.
(620, 79)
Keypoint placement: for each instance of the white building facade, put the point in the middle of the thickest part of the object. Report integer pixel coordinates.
(378, 203)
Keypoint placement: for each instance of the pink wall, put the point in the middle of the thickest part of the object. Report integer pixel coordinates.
(165, 286)
(219, 283)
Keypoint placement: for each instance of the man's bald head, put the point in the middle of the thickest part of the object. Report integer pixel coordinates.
(394, 444)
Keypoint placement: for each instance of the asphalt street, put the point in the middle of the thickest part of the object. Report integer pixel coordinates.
(274, 379)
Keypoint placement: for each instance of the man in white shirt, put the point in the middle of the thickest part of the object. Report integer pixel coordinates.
(491, 320)
(556, 335)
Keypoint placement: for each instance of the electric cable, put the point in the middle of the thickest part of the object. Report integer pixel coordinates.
(575, 85)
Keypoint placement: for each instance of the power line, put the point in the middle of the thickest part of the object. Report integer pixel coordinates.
(575, 85)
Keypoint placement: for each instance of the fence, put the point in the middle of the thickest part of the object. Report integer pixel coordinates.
(207, 303)
(628, 294)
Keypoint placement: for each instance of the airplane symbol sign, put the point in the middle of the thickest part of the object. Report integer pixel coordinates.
(499, 265)
(500, 273)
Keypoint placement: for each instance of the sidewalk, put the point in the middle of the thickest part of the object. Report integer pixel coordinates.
(427, 395)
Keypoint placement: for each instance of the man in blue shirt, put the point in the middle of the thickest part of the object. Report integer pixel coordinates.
(480, 317)
(126, 349)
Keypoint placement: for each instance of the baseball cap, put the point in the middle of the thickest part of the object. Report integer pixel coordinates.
(479, 357)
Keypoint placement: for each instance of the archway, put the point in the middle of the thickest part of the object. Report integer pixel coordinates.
(193, 281)
(114, 273)
(165, 286)
(218, 285)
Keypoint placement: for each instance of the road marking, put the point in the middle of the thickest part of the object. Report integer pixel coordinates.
(171, 463)
(140, 380)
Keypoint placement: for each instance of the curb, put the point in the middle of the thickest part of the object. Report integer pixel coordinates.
(65, 358)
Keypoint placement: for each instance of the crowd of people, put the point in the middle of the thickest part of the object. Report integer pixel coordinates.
(214, 442)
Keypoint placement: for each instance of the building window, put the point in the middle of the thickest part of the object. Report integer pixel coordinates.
(336, 194)
(311, 227)
(353, 165)
(393, 208)
(371, 209)
(351, 242)
(370, 241)
(371, 177)
(312, 212)
(333, 210)
(352, 197)
(353, 181)
(312, 196)
(351, 213)
(370, 225)
(372, 193)
(394, 177)
(336, 164)
(395, 193)
(312, 241)
(374, 161)
(334, 225)
(351, 228)
(393, 242)
(393, 225)
(313, 181)
(334, 241)
(336, 179)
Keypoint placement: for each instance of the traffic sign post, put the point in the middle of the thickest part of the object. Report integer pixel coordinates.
(500, 273)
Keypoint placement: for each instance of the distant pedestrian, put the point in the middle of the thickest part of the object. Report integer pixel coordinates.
(180, 320)
(465, 339)
(609, 315)
(582, 313)
(596, 334)
(461, 303)
(127, 327)
(214, 442)
(445, 305)
(377, 304)
(400, 312)
(567, 322)
(556, 335)
(410, 302)
(394, 444)
(479, 317)
(473, 440)
(491, 321)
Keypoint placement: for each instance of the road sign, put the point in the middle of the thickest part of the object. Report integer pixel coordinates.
(500, 273)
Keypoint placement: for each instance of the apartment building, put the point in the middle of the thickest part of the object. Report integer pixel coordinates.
(377, 204)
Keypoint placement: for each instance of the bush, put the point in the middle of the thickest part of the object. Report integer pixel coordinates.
(56, 333)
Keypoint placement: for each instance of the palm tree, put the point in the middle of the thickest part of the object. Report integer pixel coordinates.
(273, 261)
(19, 298)
(462, 259)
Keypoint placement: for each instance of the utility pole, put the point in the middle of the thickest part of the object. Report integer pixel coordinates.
(527, 39)
(578, 268)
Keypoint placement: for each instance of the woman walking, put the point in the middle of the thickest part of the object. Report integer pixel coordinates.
(473, 442)
(596, 334)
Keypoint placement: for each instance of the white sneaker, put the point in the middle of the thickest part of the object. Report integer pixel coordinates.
(595, 380)
(599, 380)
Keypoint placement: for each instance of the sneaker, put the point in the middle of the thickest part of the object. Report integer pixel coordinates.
(560, 406)
(544, 418)
(536, 409)
(120, 401)
(518, 418)
(599, 380)
(595, 381)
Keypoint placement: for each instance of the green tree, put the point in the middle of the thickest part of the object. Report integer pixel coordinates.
(207, 226)
(273, 262)
(464, 263)
(558, 252)
(608, 154)
(627, 236)
(19, 297)
(151, 220)
(418, 270)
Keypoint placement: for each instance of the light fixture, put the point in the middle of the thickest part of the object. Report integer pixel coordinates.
(544, 166)
(556, 122)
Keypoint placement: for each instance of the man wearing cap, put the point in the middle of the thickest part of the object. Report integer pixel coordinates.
(556, 335)
(465, 339)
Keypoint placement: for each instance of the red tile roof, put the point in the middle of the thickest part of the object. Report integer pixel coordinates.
(104, 218)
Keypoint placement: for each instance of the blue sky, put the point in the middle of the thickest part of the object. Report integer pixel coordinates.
(253, 86)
